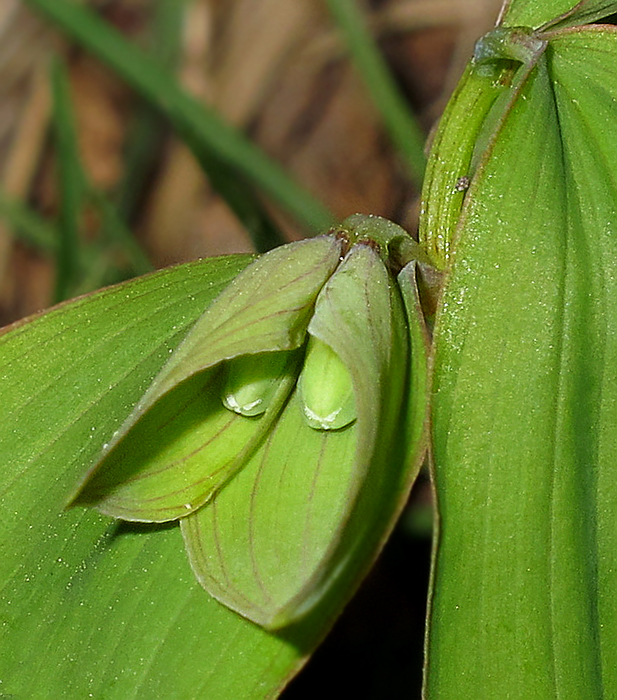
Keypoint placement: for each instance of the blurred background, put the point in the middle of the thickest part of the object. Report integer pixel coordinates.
(96, 186)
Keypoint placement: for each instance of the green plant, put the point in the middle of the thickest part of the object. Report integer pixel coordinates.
(520, 202)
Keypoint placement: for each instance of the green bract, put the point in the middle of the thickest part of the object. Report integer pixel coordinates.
(282, 432)
(524, 404)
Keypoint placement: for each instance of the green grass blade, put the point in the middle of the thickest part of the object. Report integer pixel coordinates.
(116, 233)
(27, 225)
(204, 132)
(71, 185)
(404, 130)
(82, 268)
(148, 126)
(165, 44)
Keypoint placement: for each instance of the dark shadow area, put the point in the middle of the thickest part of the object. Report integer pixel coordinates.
(375, 649)
(123, 528)
(611, 19)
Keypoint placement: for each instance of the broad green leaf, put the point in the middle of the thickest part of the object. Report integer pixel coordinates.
(180, 443)
(90, 607)
(525, 399)
(556, 13)
(310, 510)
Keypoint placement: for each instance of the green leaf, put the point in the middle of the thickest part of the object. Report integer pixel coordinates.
(448, 176)
(90, 607)
(501, 62)
(525, 399)
(180, 444)
(555, 13)
(309, 512)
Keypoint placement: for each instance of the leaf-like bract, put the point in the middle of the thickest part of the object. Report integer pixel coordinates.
(181, 444)
(525, 398)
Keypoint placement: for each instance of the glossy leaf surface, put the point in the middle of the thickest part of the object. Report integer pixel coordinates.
(90, 607)
(525, 401)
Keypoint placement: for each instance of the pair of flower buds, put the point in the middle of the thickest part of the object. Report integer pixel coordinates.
(285, 431)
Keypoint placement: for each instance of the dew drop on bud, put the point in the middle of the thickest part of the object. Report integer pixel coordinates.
(251, 382)
(325, 387)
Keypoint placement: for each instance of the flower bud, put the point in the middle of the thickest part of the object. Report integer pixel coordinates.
(180, 444)
(277, 432)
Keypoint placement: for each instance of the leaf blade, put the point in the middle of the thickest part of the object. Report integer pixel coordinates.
(116, 611)
(524, 405)
(556, 13)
